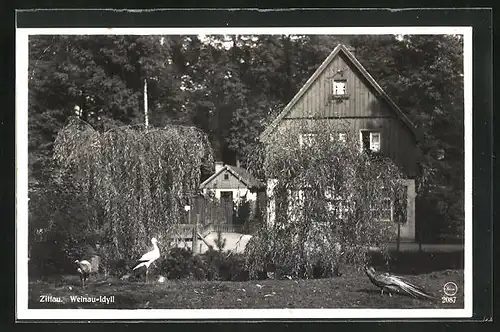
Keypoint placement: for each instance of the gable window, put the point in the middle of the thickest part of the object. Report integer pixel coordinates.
(226, 176)
(339, 87)
(370, 140)
(307, 140)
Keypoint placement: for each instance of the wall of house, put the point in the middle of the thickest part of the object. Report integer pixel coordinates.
(406, 230)
(233, 184)
(238, 193)
(219, 183)
(362, 99)
(395, 142)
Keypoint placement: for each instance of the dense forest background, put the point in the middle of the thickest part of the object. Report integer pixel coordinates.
(232, 86)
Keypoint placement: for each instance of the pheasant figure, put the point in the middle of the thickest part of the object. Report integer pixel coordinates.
(149, 257)
(84, 269)
(395, 284)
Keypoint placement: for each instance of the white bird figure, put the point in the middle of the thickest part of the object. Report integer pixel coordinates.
(84, 268)
(149, 257)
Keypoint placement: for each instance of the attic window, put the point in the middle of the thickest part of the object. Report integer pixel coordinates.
(339, 87)
(226, 176)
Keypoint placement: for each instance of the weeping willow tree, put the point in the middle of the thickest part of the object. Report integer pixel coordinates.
(139, 179)
(331, 203)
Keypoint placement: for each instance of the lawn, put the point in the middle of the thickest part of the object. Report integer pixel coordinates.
(351, 290)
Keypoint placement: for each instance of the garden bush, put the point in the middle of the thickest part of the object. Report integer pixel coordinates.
(222, 266)
(180, 263)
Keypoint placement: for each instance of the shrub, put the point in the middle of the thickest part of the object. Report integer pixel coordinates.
(221, 266)
(180, 263)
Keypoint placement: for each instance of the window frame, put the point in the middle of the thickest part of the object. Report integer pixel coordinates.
(370, 133)
(311, 137)
(335, 91)
(391, 209)
(339, 135)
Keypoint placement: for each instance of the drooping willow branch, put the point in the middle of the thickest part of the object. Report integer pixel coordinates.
(140, 180)
(329, 199)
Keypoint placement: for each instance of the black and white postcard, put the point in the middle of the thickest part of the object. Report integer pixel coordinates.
(244, 172)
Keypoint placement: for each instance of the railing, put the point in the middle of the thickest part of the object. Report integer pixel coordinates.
(226, 228)
(212, 216)
(186, 230)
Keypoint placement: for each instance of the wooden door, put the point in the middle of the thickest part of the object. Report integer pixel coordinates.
(226, 198)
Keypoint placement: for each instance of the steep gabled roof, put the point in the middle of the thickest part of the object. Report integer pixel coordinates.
(352, 59)
(240, 173)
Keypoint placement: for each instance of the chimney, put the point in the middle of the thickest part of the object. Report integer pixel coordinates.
(238, 164)
(218, 166)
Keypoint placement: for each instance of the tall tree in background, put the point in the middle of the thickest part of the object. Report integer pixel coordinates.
(98, 78)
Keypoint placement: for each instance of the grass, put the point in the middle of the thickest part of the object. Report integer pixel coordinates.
(351, 290)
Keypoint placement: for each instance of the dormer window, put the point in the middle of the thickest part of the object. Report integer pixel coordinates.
(339, 87)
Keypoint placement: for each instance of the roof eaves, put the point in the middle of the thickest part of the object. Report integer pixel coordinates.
(213, 176)
(238, 176)
(381, 91)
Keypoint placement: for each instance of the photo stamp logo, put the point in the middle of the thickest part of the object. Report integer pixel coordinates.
(450, 288)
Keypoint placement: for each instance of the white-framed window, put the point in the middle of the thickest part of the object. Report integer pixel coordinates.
(386, 211)
(375, 141)
(336, 204)
(371, 140)
(339, 87)
(307, 139)
(342, 137)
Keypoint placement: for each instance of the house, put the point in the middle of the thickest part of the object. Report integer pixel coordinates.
(342, 90)
(230, 185)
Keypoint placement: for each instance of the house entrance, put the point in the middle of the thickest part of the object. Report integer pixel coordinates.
(226, 199)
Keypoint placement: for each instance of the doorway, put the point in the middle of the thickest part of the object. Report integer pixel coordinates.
(226, 199)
